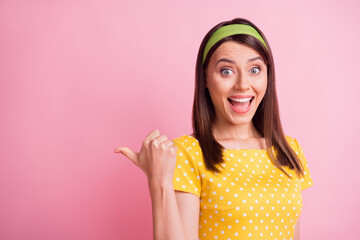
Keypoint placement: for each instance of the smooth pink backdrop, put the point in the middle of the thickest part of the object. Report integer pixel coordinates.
(79, 78)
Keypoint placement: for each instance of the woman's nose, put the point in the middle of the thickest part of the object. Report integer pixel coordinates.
(242, 82)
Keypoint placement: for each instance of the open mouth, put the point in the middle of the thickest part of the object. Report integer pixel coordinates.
(240, 101)
(241, 105)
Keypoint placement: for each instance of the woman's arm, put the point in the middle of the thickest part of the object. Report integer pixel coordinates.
(189, 208)
(172, 214)
(167, 223)
(297, 230)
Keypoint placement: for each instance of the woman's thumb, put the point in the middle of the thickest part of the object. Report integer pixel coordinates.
(127, 152)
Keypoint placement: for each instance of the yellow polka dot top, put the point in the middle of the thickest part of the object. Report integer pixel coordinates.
(250, 199)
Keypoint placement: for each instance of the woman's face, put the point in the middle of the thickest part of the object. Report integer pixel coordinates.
(236, 78)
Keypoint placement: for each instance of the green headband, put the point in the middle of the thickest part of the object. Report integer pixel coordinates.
(230, 30)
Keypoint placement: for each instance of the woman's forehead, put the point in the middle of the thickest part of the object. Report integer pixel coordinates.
(235, 51)
(232, 48)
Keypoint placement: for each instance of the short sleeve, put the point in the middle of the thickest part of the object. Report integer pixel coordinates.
(306, 180)
(186, 174)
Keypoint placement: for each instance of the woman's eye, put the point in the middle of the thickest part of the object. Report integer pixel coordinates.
(226, 71)
(255, 70)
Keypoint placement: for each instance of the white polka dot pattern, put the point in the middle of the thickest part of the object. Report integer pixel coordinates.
(250, 199)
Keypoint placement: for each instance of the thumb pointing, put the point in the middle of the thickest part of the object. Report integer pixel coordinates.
(128, 153)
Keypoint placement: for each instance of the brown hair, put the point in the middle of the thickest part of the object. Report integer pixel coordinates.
(266, 119)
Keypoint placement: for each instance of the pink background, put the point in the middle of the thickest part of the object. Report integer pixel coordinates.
(79, 78)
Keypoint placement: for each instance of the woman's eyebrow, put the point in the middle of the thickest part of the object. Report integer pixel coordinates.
(225, 60)
(232, 61)
(255, 58)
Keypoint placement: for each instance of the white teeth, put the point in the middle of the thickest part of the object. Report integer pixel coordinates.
(241, 99)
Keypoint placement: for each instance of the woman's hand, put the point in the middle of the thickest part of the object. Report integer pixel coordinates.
(157, 158)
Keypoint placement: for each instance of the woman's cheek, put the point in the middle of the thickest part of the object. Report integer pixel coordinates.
(260, 82)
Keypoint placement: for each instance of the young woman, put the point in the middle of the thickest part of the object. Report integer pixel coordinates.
(237, 176)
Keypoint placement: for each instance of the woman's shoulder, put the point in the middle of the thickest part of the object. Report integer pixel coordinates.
(290, 139)
(189, 146)
(187, 140)
(292, 142)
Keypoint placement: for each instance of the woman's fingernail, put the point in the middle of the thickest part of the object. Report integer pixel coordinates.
(117, 150)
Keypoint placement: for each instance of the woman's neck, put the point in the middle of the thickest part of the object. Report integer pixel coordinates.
(241, 136)
(232, 132)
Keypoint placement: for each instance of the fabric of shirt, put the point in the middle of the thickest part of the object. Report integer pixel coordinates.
(250, 199)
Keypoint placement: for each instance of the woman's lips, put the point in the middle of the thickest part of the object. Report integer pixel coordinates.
(241, 105)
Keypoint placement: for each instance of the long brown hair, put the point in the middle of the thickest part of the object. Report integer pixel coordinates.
(266, 119)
